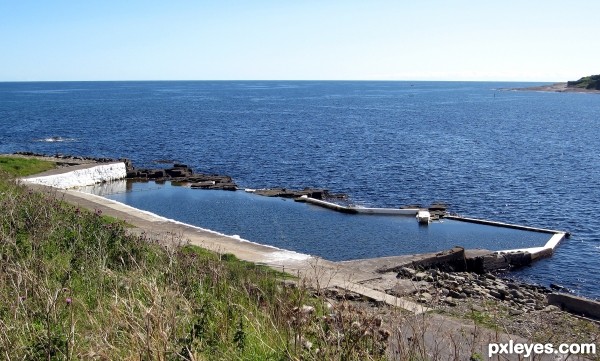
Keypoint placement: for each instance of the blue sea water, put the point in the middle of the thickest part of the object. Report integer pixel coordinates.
(531, 158)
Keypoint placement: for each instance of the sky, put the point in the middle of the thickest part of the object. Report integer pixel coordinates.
(471, 40)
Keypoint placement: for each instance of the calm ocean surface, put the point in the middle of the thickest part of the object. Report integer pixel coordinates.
(521, 157)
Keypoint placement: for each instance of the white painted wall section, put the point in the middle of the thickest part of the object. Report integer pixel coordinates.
(82, 177)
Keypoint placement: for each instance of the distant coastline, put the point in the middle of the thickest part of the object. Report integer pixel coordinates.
(557, 88)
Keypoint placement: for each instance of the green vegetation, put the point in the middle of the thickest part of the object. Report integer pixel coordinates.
(77, 285)
(588, 82)
(21, 167)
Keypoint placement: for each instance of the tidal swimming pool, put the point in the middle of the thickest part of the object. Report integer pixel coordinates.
(310, 229)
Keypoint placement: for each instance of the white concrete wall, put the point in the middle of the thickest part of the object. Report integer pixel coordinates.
(82, 177)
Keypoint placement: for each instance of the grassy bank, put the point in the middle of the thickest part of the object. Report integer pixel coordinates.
(76, 285)
(587, 82)
(22, 167)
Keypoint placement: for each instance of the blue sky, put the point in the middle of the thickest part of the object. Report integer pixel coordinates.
(508, 40)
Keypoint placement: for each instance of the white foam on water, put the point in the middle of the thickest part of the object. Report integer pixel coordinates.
(55, 139)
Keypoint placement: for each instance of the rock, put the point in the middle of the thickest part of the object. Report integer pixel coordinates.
(557, 287)
(450, 301)
(516, 294)
(420, 276)
(551, 308)
(403, 287)
(178, 172)
(157, 173)
(496, 294)
(477, 308)
(406, 272)
(458, 295)
(515, 312)
(456, 278)
(503, 292)
(307, 309)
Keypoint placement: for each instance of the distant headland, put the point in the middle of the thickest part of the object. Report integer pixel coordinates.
(587, 84)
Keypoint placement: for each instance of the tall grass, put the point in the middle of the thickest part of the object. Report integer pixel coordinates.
(22, 167)
(77, 285)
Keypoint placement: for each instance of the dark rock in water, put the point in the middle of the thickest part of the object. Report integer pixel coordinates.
(156, 173)
(315, 193)
(556, 287)
(179, 172)
(182, 174)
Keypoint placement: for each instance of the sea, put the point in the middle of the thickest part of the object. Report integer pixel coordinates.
(524, 157)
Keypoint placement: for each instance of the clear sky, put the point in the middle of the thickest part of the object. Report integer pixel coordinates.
(528, 40)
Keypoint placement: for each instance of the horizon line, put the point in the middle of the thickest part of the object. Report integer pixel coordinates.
(279, 80)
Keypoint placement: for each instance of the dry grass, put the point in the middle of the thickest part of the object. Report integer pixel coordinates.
(76, 285)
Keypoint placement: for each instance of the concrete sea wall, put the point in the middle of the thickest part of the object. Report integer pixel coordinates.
(81, 176)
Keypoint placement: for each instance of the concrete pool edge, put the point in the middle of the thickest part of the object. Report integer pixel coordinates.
(535, 253)
(320, 271)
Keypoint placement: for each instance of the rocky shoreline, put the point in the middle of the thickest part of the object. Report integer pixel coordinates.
(447, 282)
(557, 88)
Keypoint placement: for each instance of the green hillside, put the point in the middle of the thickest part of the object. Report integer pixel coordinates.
(587, 82)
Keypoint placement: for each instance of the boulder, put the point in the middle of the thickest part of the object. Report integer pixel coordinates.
(406, 272)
